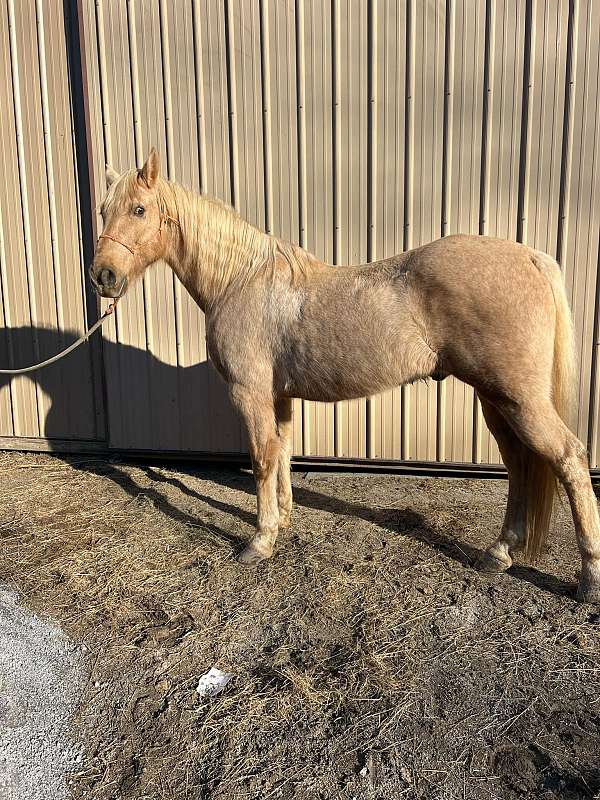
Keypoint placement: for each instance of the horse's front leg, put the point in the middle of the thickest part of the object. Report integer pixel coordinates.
(283, 412)
(258, 413)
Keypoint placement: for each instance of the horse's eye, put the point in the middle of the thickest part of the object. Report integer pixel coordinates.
(139, 211)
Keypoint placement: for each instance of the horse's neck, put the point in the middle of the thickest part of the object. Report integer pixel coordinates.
(215, 249)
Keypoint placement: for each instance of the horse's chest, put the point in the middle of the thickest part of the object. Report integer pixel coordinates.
(235, 346)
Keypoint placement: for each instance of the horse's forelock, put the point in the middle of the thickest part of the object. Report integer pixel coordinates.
(122, 189)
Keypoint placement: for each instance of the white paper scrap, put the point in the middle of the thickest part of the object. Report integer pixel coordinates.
(213, 682)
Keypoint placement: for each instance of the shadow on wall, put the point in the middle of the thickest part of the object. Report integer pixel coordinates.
(151, 405)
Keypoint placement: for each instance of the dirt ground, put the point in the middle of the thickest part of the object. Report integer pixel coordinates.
(371, 659)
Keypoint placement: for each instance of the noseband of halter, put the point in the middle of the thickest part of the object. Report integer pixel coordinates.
(133, 250)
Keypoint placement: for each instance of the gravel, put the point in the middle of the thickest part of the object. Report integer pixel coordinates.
(42, 674)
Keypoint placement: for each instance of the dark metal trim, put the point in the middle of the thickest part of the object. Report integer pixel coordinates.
(86, 188)
(425, 469)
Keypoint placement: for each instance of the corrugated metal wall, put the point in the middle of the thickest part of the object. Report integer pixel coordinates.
(42, 283)
(357, 129)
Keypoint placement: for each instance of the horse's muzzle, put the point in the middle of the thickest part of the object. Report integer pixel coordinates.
(106, 283)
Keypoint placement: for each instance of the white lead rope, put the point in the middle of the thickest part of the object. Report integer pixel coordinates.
(71, 347)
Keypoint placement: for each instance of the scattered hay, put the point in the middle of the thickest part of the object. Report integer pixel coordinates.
(371, 660)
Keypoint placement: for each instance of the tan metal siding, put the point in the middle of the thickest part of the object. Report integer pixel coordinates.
(350, 205)
(72, 411)
(20, 393)
(388, 174)
(579, 251)
(355, 129)
(547, 86)
(42, 279)
(314, 427)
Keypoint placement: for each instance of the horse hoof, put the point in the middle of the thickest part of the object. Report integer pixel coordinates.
(589, 593)
(284, 522)
(490, 564)
(250, 556)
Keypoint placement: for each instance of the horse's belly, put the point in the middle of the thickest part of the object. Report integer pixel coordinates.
(354, 344)
(328, 382)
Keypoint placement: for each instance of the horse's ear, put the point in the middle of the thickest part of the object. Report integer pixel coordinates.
(111, 176)
(149, 172)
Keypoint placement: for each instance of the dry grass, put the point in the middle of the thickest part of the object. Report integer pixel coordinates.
(372, 661)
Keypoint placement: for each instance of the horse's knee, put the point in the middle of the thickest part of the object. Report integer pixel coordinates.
(266, 459)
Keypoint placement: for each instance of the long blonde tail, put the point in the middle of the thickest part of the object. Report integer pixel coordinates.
(540, 482)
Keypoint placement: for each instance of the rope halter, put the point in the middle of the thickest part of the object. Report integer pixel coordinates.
(133, 250)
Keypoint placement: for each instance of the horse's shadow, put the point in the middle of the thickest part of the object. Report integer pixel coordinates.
(409, 523)
(103, 386)
(69, 385)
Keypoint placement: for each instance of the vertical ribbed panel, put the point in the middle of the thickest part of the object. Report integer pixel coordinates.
(579, 239)
(72, 397)
(387, 181)
(423, 202)
(20, 392)
(547, 86)
(247, 110)
(315, 140)
(355, 129)
(280, 117)
(41, 268)
(34, 195)
(350, 190)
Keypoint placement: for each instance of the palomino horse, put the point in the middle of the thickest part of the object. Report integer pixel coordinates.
(281, 324)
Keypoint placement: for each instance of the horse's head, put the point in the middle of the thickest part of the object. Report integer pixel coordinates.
(134, 235)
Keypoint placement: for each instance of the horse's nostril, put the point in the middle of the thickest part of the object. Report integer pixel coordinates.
(107, 278)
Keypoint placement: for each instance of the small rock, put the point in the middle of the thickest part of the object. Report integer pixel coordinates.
(213, 682)
(405, 775)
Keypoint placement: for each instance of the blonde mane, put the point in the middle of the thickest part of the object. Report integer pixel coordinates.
(215, 235)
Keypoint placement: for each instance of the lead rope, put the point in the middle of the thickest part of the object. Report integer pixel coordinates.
(71, 347)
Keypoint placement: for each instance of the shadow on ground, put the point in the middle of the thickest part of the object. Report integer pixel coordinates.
(411, 524)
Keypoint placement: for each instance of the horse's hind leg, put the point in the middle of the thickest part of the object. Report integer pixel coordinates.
(543, 431)
(259, 416)
(283, 412)
(497, 558)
